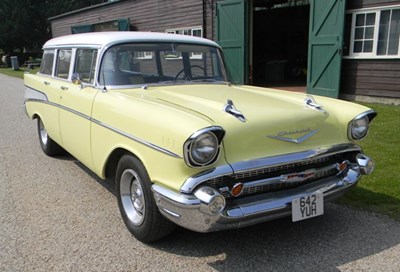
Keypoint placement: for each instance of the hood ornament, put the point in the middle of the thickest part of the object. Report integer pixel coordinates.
(299, 140)
(310, 102)
(231, 109)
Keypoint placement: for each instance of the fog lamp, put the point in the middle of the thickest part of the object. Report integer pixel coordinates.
(212, 201)
(217, 204)
(366, 164)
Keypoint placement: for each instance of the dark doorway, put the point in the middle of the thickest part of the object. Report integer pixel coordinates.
(280, 42)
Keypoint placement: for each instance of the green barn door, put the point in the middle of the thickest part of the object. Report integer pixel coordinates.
(325, 47)
(231, 36)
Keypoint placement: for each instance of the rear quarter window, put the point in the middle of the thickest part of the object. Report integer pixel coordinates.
(63, 63)
(46, 67)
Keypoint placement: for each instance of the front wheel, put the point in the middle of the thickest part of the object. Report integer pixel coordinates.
(136, 202)
(48, 145)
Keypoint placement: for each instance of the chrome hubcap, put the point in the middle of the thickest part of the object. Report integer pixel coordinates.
(132, 197)
(43, 133)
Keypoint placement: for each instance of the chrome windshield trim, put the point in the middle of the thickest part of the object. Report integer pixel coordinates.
(239, 167)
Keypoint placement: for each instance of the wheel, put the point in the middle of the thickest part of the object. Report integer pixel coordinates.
(136, 202)
(49, 147)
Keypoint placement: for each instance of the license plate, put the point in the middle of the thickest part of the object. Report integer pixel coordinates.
(307, 207)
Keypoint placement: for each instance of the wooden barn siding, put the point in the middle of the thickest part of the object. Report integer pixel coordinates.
(145, 15)
(371, 78)
(358, 4)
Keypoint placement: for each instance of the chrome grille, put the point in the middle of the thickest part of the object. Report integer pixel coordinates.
(284, 167)
(324, 167)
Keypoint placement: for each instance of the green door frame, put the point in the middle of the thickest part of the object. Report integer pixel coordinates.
(232, 36)
(325, 47)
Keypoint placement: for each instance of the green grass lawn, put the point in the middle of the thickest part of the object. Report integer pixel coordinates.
(379, 192)
(17, 73)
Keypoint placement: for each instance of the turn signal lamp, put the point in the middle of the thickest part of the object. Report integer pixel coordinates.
(237, 189)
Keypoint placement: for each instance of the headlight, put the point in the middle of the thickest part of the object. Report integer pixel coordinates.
(202, 148)
(358, 127)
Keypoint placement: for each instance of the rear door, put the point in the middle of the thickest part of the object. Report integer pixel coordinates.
(325, 47)
(232, 37)
(76, 102)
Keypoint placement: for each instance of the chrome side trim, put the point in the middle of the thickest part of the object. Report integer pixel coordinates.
(32, 95)
(239, 167)
(136, 139)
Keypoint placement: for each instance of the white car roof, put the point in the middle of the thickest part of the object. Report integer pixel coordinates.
(103, 39)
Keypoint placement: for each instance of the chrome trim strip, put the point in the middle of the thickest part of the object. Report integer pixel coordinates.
(35, 95)
(136, 139)
(195, 180)
(38, 98)
(239, 167)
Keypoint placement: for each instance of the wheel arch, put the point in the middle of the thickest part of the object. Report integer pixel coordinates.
(113, 159)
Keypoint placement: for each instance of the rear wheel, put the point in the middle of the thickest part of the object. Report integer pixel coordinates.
(136, 202)
(49, 147)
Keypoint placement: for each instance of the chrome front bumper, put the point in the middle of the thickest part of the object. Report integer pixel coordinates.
(193, 212)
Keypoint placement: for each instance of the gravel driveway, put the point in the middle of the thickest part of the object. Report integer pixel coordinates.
(55, 215)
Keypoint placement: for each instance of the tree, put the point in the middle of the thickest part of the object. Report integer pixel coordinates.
(24, 24)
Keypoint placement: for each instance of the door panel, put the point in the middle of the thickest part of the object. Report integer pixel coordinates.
(74, 117)
(231, 36)
(325, 47)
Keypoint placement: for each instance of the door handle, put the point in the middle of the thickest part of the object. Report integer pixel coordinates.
(64, 88)
(46, 83)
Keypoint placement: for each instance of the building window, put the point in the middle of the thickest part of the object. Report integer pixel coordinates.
(196, 31)
(375, 33)
(189, 31)
(143, 55)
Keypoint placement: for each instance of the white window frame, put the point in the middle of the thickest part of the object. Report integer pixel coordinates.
(373, 54)
(189, 30)
(143, 55)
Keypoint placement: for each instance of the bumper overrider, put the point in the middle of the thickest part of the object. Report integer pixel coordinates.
(247, 193)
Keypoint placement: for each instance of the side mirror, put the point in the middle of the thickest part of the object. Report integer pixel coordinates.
(76, 79)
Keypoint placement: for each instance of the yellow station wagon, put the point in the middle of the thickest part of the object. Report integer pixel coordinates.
(187, 147)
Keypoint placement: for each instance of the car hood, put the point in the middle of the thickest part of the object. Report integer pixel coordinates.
(276, 122)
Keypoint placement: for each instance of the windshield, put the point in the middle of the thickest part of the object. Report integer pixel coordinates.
(161, 63)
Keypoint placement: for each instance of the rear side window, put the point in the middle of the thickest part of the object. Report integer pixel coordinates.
(63, 63)
(46, 66)
(86, 64)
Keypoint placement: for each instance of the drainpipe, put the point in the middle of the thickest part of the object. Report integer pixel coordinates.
(204, 18)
